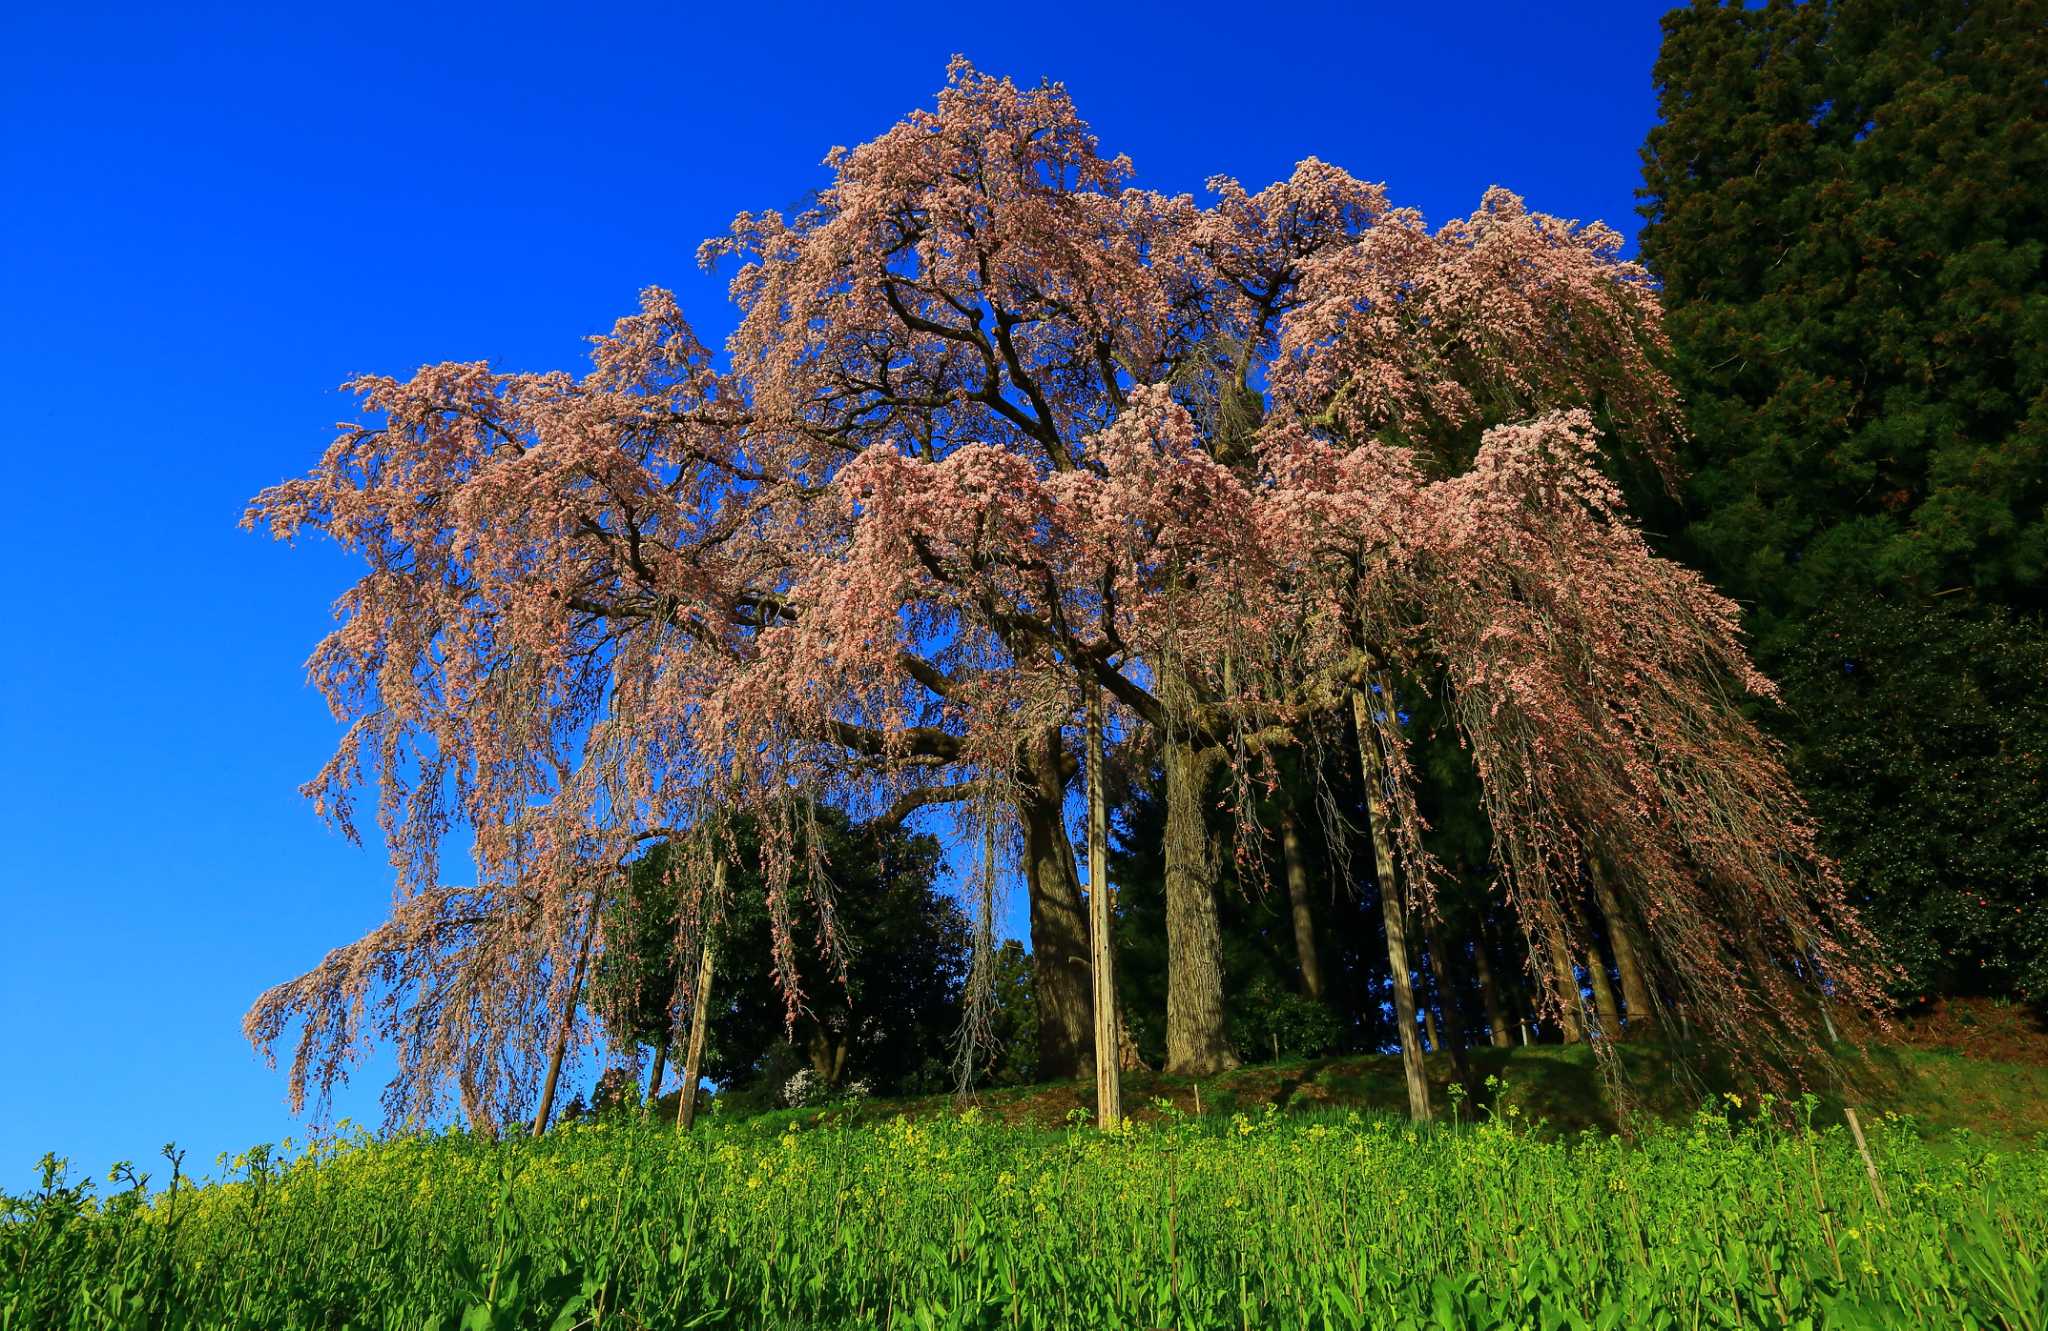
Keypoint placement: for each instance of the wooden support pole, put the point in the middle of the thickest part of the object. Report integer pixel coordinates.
(1109, 1110)
(1392, 908)
(700, 1004)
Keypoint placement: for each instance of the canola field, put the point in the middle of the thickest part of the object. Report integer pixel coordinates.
(1332, 1220)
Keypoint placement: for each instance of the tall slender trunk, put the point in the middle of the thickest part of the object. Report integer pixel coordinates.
(700, 1021)
(1109, 1108)
(1378, 814)
(1571, 1005)
(1603, 992)
(700, 1003)
(1448, 1000)
(1489, 992)
(1299, 905)
(1628, 954)
(660, 1066)
(1430, 1030)
(1059, 925)
(567, 1023)
(1196, 1044)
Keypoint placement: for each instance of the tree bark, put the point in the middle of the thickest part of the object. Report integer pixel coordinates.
(1059, 925)
(1196, 1044)
(1451, 1034)
(567, 1023)
(1571, 1006)
(660, 1066)
(1628, 956)
(1378, 815)
(1489, 993)
(1298, 904)
(1109, 1110)
(828, 1056)
(1603, 992)
(700, 1006)
(1128, 1059)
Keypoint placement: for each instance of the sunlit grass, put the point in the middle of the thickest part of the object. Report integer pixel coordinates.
(1255, 1219)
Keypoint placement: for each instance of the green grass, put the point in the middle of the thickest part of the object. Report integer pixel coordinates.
(1559, 1085)
(1322, 1217)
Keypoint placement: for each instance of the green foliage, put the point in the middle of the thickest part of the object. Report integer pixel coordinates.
(1279, 1022)
(634, 983)
(1337, 1220)
(1261, 967)
(886, 1019)
(1847, 204)
(1015, 1027)
(1926, 749)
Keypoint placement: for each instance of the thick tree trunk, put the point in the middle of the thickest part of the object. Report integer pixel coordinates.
(1196, 1045)
(1299, 905)
(700, 1008)
(1489, 993)
(565, 1025)
(1059, 924)
(1109, 1109)
(1379, 814)
(1628, 956)
(828, 1056)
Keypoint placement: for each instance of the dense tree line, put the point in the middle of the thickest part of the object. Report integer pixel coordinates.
(1847, 209)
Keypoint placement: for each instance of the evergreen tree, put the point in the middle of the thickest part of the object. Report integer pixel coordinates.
(886, 1021)
(1847, 205)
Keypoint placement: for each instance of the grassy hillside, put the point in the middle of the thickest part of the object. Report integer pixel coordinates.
(1979, 1067)
(1557, 1085)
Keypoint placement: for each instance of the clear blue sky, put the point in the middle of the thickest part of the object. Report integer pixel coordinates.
(208, 218)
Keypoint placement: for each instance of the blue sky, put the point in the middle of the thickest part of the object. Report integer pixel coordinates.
(209, 217)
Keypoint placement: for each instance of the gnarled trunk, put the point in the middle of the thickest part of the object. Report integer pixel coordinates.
(660, 1066)
(1298, 904)
(828, 1056)
(1603, 992)
(1059, 925)
(1195, 1041)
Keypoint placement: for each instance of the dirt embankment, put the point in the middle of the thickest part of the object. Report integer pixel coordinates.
(1977, 1028)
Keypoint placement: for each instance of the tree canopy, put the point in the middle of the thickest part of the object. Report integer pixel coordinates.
(1002, 430)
